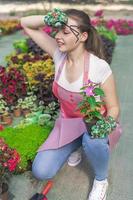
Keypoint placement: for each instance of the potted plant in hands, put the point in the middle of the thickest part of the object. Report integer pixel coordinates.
(93, 109)
(9, 159)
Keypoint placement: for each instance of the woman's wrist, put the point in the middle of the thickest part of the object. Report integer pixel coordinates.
(56, 18)
(103, 127)
(33, 21)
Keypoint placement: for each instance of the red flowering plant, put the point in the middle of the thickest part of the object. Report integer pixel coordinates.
(12, 85)
(9, 159)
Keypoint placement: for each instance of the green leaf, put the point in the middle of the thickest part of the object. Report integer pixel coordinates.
(91, 100)
(99, 103)
(84, 110)
(97, 114)
(99, 91)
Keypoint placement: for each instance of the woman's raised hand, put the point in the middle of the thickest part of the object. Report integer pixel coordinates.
(56, 18)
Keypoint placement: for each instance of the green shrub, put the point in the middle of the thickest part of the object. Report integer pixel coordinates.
(26, 141)
(110, 34)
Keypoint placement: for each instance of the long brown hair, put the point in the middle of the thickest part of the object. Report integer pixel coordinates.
(94, 43)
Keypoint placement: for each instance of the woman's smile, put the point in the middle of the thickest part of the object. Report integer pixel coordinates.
(59, 43)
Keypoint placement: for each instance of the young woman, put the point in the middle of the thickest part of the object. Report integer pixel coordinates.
(78, 57)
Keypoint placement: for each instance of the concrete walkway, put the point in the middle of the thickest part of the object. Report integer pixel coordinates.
(6, 45)
(74, 183)
(7, 7)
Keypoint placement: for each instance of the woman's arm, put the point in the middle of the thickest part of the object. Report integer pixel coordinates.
(32, 26)
(111, 99)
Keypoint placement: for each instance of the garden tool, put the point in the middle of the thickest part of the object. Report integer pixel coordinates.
(42, 195)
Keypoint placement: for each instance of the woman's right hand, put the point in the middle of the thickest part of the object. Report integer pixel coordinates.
(56, 18)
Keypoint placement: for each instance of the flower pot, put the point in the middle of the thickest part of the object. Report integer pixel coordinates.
(0, 117)
(89, 125)
(4, 192)
(7, 119)
(26, 112)
(17, 112)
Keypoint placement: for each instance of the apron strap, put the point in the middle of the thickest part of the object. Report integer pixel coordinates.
(86, 68)
(60, 69)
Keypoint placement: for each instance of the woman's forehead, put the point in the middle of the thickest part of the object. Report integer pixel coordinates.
(71, 22)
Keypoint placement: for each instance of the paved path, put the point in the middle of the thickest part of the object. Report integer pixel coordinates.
(7, 7)
(74, 183)
(6, 45)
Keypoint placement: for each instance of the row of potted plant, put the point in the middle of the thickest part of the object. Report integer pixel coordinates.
(9, 26)
(120, 26)
(23, 107)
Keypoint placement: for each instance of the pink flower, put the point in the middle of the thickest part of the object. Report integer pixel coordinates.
(11, 88)
(89, 91)
(99, 13)
(5, 164)
(110, 24)
(95, 22)
(47, 29)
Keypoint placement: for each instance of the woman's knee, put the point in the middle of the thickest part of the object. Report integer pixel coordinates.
(42, 171)
(44, 166)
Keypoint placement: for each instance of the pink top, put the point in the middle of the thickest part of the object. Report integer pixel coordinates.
(70, 125)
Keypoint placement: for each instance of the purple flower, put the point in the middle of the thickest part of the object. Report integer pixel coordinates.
(89, 91)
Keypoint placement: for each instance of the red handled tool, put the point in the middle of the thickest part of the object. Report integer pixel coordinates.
(42, 195)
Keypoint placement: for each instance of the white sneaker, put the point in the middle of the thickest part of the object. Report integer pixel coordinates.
(98, 191)
(74, 159)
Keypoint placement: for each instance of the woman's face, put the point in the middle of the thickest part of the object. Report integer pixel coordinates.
(68, 38)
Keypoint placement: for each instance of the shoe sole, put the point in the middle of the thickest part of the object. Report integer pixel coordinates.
(104, 198)
(74, 164)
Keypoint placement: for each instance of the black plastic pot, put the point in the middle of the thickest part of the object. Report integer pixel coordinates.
(89, 125)
(4, 192)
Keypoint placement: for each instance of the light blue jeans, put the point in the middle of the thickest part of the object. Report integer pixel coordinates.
(47, 163)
